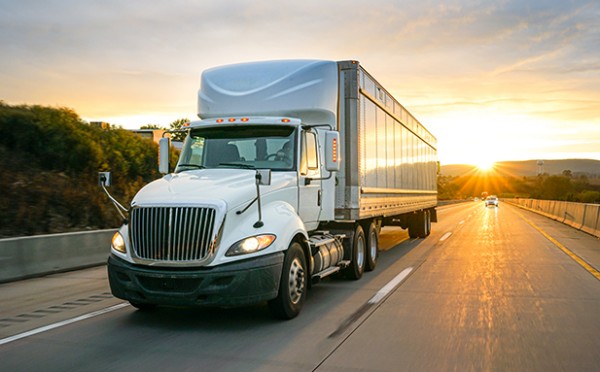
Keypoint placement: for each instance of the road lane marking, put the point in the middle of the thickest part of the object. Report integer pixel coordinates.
(62, 323)
(446, 236)
(566, 250)
(372, 303)
(461, 222)
(392, 284)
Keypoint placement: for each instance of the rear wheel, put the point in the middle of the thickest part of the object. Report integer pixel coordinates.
(372, 246)
(293, 285)
(420, 225)
(358, 257)
(415, 226)
(427, 223)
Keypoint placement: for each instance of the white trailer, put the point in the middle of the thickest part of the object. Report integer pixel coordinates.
(288, 178)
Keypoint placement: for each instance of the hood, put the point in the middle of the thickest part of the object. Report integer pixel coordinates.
(233, 186)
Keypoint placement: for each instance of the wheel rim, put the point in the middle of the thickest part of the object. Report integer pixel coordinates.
(373, 246)
(360, 252)
(296, 282)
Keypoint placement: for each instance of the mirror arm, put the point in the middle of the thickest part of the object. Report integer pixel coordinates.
(258, 223)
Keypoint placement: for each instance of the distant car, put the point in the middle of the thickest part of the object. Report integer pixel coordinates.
(491, 200)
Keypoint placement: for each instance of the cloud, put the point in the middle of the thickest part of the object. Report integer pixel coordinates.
(533, 59)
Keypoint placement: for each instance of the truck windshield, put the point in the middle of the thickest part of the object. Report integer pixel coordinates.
(251, 147)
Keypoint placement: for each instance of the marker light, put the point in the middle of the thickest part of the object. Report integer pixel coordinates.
(186, 124)
(334, 148)
(231, 120)
(285, 120)
(245, 119)
(219, 120)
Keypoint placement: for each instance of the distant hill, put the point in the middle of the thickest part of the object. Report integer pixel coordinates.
(588, 167)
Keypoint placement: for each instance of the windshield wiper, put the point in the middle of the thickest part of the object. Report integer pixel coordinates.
(191, 165)
(239, 165)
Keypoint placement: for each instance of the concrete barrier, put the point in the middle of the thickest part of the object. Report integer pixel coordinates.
(591, 220)
(31, 256)
(584, 217)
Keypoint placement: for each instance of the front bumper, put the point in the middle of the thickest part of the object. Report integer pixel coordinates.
(240, 283)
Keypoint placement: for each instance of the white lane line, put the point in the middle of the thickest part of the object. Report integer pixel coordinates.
(446, 236)
(461, 222)
(383, 292)
(63, 323)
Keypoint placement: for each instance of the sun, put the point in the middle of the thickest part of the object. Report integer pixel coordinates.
(485, 165)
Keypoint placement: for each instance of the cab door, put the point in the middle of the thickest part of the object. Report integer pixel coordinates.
(309, 188)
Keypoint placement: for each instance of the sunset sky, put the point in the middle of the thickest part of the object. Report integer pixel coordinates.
(492, 80)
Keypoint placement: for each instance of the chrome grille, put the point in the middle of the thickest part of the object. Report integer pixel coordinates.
(172, 234)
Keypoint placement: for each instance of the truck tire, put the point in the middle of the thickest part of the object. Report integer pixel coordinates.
(420, 225)
(359, 252)
(414, 225)
(427, 223)
(293, 285)
(372, 246)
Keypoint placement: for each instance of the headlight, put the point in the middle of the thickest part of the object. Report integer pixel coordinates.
(251, 245)
(118, 243)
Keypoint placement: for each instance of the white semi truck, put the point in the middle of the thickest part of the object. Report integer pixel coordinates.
(287, 178)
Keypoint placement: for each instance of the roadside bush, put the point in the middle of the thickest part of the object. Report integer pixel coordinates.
(49, 170)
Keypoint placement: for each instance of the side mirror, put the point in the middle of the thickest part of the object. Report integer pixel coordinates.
(163, 155)
(263, 176)
(332, 151)
(104, 182)
(104, 179)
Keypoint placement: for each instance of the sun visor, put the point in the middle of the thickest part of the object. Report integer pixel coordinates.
(306, 89)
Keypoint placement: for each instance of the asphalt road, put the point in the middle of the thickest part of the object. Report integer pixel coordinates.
(488, 290)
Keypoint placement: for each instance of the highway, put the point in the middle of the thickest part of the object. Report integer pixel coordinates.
(490, 289)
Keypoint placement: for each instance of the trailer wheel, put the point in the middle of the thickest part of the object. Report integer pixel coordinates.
(420, 225)
(293, 285)
(427, 223)
(372, 246)
(359, 251)
(414, 226)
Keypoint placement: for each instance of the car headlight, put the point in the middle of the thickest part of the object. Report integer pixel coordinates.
(251, 245)
(118, 243)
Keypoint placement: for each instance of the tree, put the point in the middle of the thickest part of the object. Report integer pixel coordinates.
(177, 125)
(151, 126)
(556, 188)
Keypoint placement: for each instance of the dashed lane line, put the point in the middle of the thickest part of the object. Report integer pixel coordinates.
(62, 323)
(446, 236)
(390, 286)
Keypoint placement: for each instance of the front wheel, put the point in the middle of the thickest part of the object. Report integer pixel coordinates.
(292, 286)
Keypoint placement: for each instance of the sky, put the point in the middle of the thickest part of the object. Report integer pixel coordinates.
(492, 80)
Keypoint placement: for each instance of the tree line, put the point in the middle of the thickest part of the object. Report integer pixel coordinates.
(51, 158)
(565, 187)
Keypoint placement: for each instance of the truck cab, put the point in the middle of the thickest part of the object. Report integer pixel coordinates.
(245, 196)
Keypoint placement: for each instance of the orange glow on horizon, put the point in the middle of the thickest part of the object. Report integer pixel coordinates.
(485, 165)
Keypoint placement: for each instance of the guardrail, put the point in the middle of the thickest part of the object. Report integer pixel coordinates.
(32, 256)
(584, 217)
